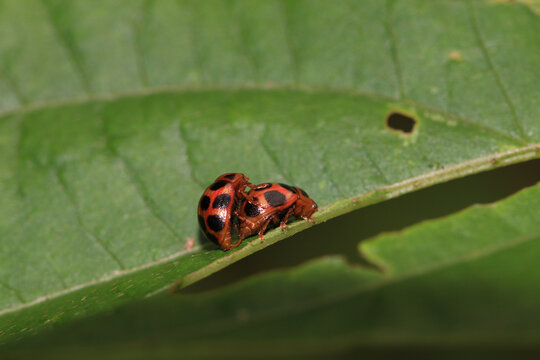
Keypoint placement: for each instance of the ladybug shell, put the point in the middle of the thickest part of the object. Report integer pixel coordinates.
(216, 206)
(264, 201)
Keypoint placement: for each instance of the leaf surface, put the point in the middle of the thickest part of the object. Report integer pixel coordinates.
(114, 118)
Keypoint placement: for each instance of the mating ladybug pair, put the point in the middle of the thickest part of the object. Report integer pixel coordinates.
(225, 205)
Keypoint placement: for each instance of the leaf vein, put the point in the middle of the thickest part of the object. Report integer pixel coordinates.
(491, 66)
(15, 89)
(324, 168)
(19, 158)
(252, 64)
(447, 69)
(73, 56)
(52, 267)
(376, 166)
(274, 158)
(393, 47)
(293, 57)
(94, 237)
(137, 45)
(328, 175)
(193, 50)
(139, 185)
(14, 291)
(42, 105)
(185, 141)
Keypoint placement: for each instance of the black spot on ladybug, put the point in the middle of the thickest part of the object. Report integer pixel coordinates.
(251, 210)
(201, 222)
(218, 185)
(221, 201)
(290, 188)
(215, 223)
(263, 186)
(205, 202)
(212, 238)
(274, 198)
(230, 176)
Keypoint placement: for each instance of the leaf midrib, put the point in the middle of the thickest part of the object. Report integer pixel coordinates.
(106, 278)
(162, 90)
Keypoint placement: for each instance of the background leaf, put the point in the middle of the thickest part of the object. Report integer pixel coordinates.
(115, 117)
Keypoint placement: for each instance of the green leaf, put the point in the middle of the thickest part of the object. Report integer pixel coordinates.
(114, 117)
(467, 281)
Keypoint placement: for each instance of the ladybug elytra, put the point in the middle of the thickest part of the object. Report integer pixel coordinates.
(272, 202)
(216, 206)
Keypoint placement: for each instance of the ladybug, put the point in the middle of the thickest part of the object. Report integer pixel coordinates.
(216, 206)
(272, 202)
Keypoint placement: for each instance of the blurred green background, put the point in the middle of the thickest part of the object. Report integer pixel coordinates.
(115, 115)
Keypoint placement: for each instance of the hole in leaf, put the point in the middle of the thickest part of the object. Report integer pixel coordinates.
(397, 121)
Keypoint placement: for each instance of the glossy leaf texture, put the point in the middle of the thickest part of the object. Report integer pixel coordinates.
(466, 283)
(115, 117)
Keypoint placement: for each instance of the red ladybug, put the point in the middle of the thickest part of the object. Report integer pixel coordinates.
(217, 204)
(272, 202)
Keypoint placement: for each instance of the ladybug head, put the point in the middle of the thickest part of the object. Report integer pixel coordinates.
(229, 177)
(233, 178)
(305, 206)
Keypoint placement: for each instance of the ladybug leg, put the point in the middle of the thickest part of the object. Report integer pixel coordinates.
(241, 194)
(310, 219)
(248, 183)
(244, 195)
(236, 244)
(240, 217)
(263, 229)
(248, 198)
(283, 224)
(237, 228)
